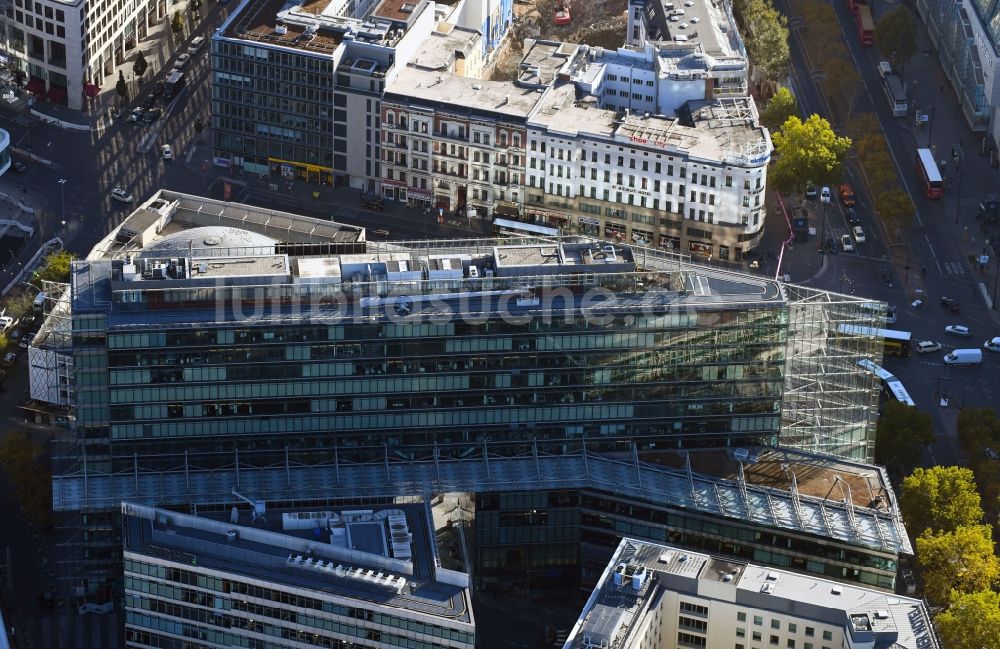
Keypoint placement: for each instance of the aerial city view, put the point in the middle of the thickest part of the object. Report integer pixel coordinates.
(500, 324)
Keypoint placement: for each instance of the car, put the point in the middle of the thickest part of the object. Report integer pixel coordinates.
(831, 244)
(909, 583)
(988, 202)
(847, 243)
(951, 305)
(19, 166)
(121, 195)
(158, 89)
(993, 344)
(149, 102)
(136, 115)
(824, 195)
(167, 152)
(859, 234)
(9, 358)
(195, 45)
(852, 216)
(928, 347)
(810, 190)
(991, 454)
(847, 195)
(182, 60)
(884, 68)
(957, 330)
(152, 115)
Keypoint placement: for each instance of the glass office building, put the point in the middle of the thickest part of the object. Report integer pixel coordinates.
(211, 338)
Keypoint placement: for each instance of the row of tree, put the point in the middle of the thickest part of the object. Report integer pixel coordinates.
(765, 32)
(19, 302)
(956, 553)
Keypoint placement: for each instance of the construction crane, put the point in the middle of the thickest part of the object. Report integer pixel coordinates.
(257, 507)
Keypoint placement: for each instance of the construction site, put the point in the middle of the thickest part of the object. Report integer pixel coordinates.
(594, 22)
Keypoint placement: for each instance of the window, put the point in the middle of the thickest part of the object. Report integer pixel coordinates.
(810, 632)
(792, 627)
(807, 645)
(790, 644)
(773, 640)
(756, 636)
(688, 640)
(741, 616)
(828, 635)
(775, 624)
(741, 632)
(693, 609)
(758, 620)
(729, 181)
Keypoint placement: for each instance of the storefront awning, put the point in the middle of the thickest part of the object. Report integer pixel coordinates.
(35, 86)
(57, 94)
(506, 208)
(91, 90)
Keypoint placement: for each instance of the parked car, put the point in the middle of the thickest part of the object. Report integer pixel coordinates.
(884, 68)
(167, 152)
(121, 195)
(824, 195)
(158, 89)
(195, 45)
(847, 243)
(957, 330)
(810, 190)
(928, 347)
(852, 216)
(951, 305)
(136, 115)
(149, 102)
(182, 61)
(859, 234)
(847, 195)
(993, 344)
(372, 203)
(9, 358)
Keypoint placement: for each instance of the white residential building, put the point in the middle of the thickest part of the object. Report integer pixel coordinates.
(654, 596)
(65, 50)
(318, 577)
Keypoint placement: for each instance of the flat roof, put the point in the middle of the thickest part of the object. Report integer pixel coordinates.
(438, 51)
(640, 572)
(258, 21)
(542, 59)
(700, 23)
(457, 93)
(332, 550)
(874, 528)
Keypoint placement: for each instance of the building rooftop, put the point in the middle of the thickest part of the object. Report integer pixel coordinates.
(441, 49)
(640, 572)
(878, 527)
(455, 93)
(543, 59)
(383, 555)
(707, 25)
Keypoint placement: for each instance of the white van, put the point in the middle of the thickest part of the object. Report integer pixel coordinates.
(964, 357)
(195, 45)
(884, 68)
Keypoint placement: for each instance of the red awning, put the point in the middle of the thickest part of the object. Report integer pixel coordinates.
(35, 86)
(57, 94)
(91, 90)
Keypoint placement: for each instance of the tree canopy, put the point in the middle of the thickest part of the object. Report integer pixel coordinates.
(21, 458)
(56, 268)
(842, 82)
(941, 498)
(19, 303)
(141, 65)
(902, 433)
(781, 106)
(978, 428)
(807, 151)
(972, 621)
(767, 38)
(962, 561)
(894, 206)
(896, 35)
(177, 23)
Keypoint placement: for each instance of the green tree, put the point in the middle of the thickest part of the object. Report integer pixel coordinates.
(894, 207)
(22, 459)
(978, 428)
(896, 35)
(902, 434)
(962, 561)
(177, 23)
(808, 150)
(781, 106)
(3, 341)
(842, 83)
(121, 87)
(941, 498)
(140, 65)
(56, 267)
(767, 38)
(972, 621)
(19, 303)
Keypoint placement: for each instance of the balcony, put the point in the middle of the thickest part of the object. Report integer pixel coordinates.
(455, 172)
(458, 136)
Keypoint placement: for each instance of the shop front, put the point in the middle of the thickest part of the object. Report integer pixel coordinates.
(615, 231)
(419, 197)
(590, 227)
(669, 242)
(312, 174)
(642, 237)
(699, 249)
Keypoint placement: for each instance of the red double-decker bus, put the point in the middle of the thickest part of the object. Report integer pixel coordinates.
(866, 26)
(930, 175)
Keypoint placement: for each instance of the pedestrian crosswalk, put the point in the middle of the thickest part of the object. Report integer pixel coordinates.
(953, 267)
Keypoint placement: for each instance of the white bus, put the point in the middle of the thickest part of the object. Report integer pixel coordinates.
(891, 386)
(894, 343)
(896, 94)
(886, 312)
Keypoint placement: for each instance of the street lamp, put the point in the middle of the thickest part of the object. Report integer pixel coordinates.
(62, 198)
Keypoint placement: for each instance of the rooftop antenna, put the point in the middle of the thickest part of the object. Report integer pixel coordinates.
(257, 507)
